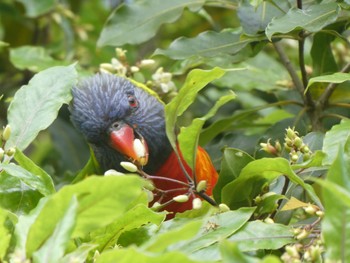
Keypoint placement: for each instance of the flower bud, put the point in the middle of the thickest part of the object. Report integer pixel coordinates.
(196, 203)
(150, 195)
(134, 69)
(302, 235)
(121, 53)
(298, 142)
(107, 66)
(113, 172)
(6, 133)
(292, 251)
(130, 167)
(291, 133)
(269, 220)
(181, 198)
(267, 195)
(305, 149)
(201, 186)
(2, 152)
(156, 205)
(11, 151)
(320, 213)
(294, 157)
(310, 209)
(147, 62)
(278, 146)
(223, 207)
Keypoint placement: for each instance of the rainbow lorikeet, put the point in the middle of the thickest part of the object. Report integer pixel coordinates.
(113, 114)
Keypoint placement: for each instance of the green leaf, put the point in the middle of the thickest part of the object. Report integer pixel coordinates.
(35, 8)
(216, 228)
(23, 57)
(337, 77)
(257, 235)
(255, 19)
(132, 254)
(54, 247)
(188, 137)
(5, 233)
(138, 22)
(312, 19)
(233, 161)
(335, 138)
(16, 196)
(34, 181)
(255, 175)
(31, 167)
(196, 80)
(206, 44)
(336, 194)
(231, 253)
(36, 105)
(136, 217)
(101, 201)
(79, 255)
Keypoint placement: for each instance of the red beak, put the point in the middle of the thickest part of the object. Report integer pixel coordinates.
(135, 148)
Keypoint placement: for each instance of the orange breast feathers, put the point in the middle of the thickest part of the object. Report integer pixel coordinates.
(172, 169)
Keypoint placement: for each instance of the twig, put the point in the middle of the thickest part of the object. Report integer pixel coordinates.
(288, 65)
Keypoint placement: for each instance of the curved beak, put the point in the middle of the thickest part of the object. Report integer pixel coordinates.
(125, 140)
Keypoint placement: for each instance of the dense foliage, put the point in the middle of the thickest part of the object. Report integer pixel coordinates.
(262, 85)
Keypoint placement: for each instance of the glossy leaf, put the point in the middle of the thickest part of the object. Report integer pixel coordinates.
(127, 255)
(312, 19)
(31, 167)
(54, 247)
(23, 57)
(196, 80)
(336, 193)
(255, 175)
(136, 217)
(334, 139)
(36, 105)
(31, 180)
(233, 161)
(337, 77)
(138, 22)
(188, 137)
(101, 201)
(206, 44)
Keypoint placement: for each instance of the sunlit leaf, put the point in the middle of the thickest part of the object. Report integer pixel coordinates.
(101, 201)
(31, 167)
(23, 57)
(36, 105)
(312, 19)
(139, 21)
(335, 138)
(80, 254)
(336, 194)
(188, 137)
(337, 77)
(196, 80)
(54, 247)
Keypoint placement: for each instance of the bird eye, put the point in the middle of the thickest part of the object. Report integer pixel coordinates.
(132, 101)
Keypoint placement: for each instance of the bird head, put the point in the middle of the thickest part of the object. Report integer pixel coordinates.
(120, 121)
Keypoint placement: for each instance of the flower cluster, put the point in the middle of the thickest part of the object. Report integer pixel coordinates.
(6, 155)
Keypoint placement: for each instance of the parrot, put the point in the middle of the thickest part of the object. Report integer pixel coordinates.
(123, 122)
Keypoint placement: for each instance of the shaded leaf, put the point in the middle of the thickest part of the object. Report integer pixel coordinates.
(36, 8)
(312, 19)
(233, 161)
(206, 44)
(5, 233)
(139, 21)
(35, 106)
(188, 137)
(54, 247)
(22, 58)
